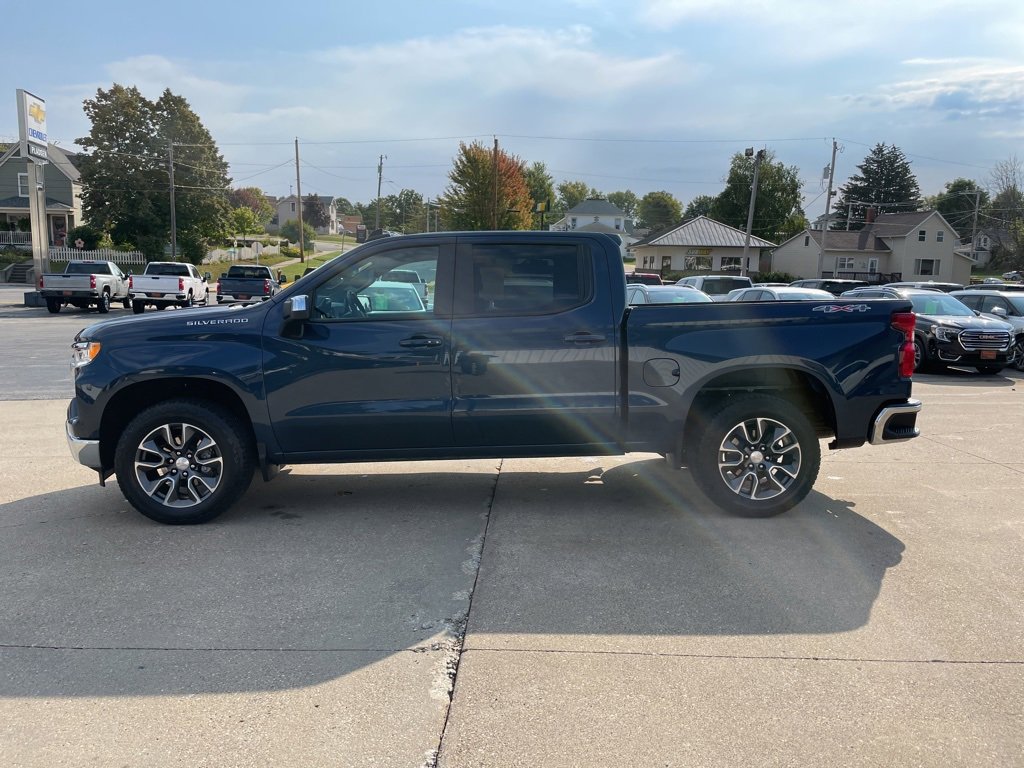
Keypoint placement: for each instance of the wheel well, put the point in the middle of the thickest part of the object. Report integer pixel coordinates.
(127, 403)
(800, 388)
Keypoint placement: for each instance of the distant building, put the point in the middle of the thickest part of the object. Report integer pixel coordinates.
(63, 193)
(699, 245)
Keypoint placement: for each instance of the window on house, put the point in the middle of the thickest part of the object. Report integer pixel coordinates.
(939, 235)
(731, 262)
(984, 242)
(293, 207)
(846, 262)
(921, 235)
(926, 266)
(572, 222)
(22, 185)
(807, 240)
(597, 219)
(618, 223)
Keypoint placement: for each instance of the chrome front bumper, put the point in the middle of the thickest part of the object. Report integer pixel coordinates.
(895, 423)
(85, 452)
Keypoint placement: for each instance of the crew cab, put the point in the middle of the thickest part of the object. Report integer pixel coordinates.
(528, 349)
(947, 332)
(84, 284)
(247, 284)
(167, 284)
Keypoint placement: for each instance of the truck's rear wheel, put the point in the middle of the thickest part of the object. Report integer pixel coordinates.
(103, 305)
(138, 307)
(757, 457)
(183, 462)
(53, 306)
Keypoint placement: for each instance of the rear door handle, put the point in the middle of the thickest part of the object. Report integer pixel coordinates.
(421, 341)
(582, 337)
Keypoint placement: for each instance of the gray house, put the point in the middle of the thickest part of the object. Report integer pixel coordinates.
(63, 195)
(286, 209)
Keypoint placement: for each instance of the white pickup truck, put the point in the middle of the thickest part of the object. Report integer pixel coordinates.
(167, 284)
(85, 284)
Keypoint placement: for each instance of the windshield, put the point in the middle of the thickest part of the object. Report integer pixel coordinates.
(939, 304)
(248, 272)
(87, 268)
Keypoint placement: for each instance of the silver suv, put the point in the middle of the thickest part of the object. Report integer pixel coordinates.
(716, 286)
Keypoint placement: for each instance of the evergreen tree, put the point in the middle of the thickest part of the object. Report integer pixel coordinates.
(542, 189)
(468, 202)
(885, 182)
(314, 212)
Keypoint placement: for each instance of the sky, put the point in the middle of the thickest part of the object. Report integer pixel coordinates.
(644, 95)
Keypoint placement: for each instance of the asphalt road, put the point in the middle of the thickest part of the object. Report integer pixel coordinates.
(589, 612)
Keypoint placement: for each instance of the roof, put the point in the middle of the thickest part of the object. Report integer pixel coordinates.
(706, 233)
(595, 207)
(22, 202)
(861, 240)
(59, 159)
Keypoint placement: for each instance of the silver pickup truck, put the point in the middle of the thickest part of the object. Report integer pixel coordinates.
(85, 284)
(168, 284)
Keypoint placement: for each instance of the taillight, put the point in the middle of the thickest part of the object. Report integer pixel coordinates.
(131, 283)
(266, 287)
(40, 282)
(181, 283)
(905, 322)
(92, 281)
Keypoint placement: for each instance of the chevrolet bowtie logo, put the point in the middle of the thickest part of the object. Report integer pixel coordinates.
(37, 112)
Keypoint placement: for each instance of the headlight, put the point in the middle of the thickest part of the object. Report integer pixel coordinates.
(945, 333)
(83, 352)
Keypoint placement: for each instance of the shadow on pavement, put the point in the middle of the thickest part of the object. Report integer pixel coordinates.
(313, 577)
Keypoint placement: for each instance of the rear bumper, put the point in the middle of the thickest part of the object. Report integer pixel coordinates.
(895, 423)
(54, 293)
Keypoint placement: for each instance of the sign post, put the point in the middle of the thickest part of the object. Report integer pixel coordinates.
(32, 133)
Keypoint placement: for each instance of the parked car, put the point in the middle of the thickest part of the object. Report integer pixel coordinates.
(664, 294)
(1007, 306)
(786, 293)
(247, 284)
(168, 284)
(1014, 275)
(1016, 287)
(716, 286)
(930, 285)
(412, 277)
(644, 278)
(834, 285)
(947, 332)
(528, 350)
(85, 284)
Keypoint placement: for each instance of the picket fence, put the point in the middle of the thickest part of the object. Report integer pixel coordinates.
(121, 258)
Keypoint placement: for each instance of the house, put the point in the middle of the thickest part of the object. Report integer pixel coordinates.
(892, 246)
(698, 245)
(596, 215)
(987, 242)
(286, 209)
(63, 195)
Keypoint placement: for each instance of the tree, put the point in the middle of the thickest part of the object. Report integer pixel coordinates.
(408, 211)
(957, 204)
(701, 205)
(659, 210)
(314, 212)
(253, 199)
(469, 201)
(290, 232)
(88, 234)
(244, 221)
(541, 186)
(571, 194)
(344, 206)
(626, 201)
(125, 184)
(778, 196)
(885, 182)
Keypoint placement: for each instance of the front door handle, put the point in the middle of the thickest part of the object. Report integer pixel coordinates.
(421, 341)
(582, 337)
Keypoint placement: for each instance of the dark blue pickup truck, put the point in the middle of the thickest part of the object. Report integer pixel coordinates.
(525, 348)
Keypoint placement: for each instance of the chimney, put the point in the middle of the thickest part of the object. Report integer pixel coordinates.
(869, 215)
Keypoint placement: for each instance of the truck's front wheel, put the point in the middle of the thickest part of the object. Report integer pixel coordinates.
(103, 305)
(757, 457)
(183, 462)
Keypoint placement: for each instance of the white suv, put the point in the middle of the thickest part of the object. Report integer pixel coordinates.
(716, 286)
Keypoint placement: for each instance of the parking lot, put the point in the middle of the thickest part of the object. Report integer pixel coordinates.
(548, 612)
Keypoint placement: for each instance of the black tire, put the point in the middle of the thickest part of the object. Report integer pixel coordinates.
(53, 306)
(744, 475)
(138, 307)
(161, 306)
(103, 305)
(214, 449)
(921, 361)
(1018, 355)
(989, 370)
(126, 302)
(189, 301)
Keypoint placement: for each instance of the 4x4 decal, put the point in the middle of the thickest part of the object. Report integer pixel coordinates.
(828, 309)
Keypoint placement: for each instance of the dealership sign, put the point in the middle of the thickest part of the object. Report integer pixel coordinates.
(32, 126)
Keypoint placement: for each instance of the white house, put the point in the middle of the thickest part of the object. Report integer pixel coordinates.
(891, 247)
(286, 209)
(698, 245)
(596, 215)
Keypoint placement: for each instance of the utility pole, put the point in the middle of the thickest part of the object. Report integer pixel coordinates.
(753, 201)
(974, 224)
(298, 194)
(174, 223)
(380, 176)
(494, 201)
(828, 209)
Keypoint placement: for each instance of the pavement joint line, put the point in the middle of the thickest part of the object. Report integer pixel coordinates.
(460, 641)
(432, 648)
(967, 453)
(744, 657)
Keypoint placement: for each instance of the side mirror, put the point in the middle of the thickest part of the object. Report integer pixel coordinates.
(207, 277)
(283, 279)
(999, 311)
(296, 308)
